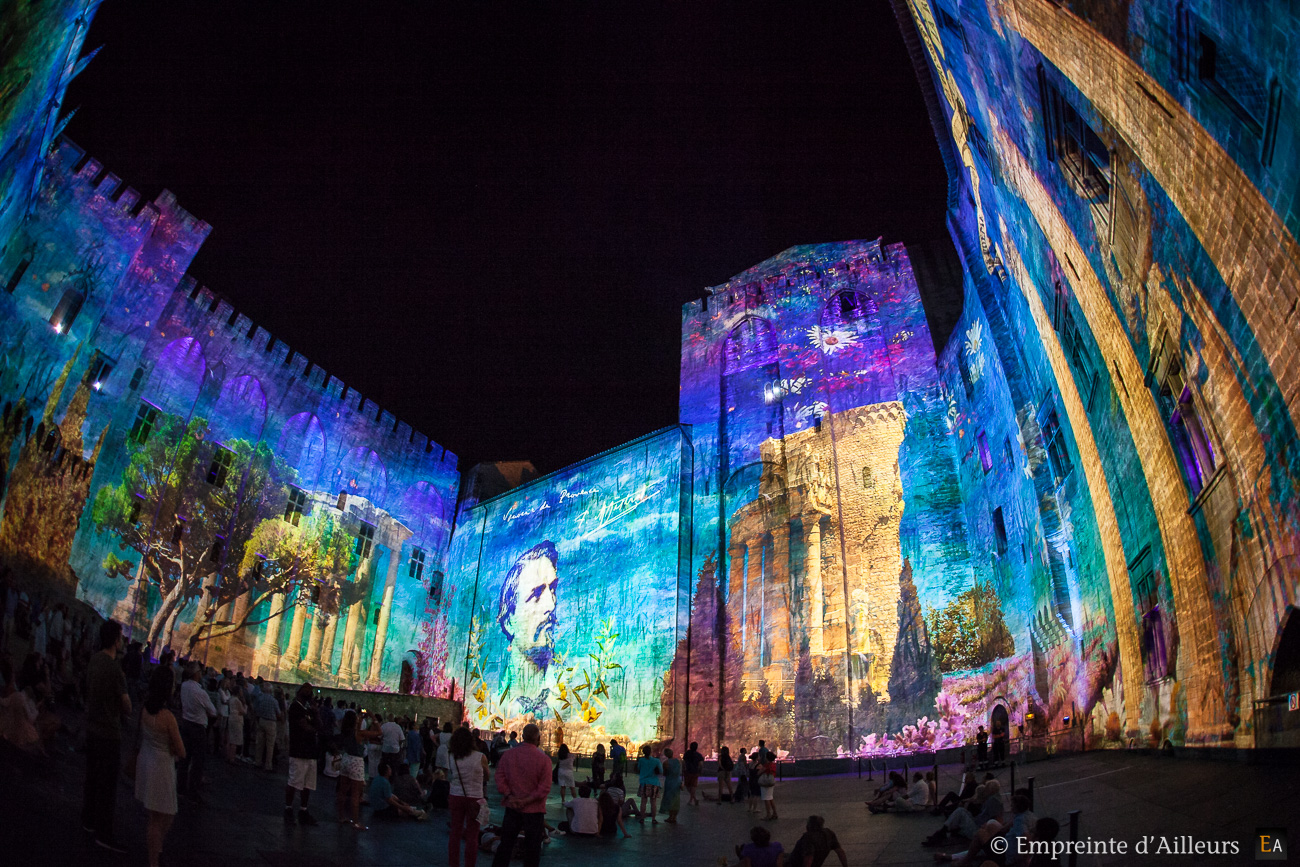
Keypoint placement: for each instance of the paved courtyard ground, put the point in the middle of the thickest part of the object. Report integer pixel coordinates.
(1119, 795)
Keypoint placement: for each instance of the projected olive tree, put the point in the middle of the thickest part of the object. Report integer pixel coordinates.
(316, 557)
(185, 506)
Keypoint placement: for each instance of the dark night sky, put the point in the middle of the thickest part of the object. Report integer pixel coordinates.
(486, 216)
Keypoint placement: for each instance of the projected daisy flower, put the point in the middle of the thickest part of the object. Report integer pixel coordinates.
(831, 340)
(974, 347)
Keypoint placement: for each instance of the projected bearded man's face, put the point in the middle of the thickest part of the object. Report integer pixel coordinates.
(528, 602)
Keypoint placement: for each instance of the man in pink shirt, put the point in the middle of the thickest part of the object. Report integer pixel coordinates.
(524, 781)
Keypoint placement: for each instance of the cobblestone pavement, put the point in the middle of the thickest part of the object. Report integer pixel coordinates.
(1120, 796)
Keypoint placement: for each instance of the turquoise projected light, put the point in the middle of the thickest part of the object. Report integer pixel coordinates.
(565, 600)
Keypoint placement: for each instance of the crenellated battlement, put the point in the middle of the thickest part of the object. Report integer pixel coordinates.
(209, 315)
(206, 315)
(99, 189)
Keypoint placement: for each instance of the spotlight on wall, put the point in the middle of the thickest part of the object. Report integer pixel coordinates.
(97, 385)
(58, 328)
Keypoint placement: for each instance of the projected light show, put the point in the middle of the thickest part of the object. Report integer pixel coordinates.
(1074, 517)
(565, 595)
(192, 479)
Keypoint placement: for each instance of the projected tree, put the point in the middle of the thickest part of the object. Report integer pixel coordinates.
(315, 558)
(969, 632)
(184, 506)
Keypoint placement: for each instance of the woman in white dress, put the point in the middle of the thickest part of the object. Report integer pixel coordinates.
(443, 759)
(234, 725)
(564, 773)
(155, 769)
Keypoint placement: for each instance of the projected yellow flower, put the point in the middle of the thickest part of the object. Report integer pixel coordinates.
(831, 340)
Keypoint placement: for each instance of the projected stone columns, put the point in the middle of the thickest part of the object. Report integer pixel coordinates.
(356, 624)
(397, 536)
(238, 610)
(753, 603)
(813, 591)
(776, 604)
(327, 644)
(736, 602)
(292, 652)
(315, 638)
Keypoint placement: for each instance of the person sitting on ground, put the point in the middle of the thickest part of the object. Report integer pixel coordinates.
(950, 801)
(963, 823)
(816, 845)
(896, 784)
(761, 850)
(583, 814)
(613, 800)
(406, 786)
(1021, 823)
(1045, 830)
(385, 804)
(917, 797)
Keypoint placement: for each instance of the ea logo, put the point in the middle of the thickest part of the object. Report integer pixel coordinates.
(1270, 844)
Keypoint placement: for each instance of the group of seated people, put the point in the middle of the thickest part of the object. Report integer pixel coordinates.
(600, 812)
(974, 815)
(813, 849)
(394, 793)
(897, 795)
(977, 815)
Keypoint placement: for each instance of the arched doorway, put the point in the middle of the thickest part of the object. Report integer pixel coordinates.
(999, 734)
(412, 678)
(1276, 725)
(407, 682)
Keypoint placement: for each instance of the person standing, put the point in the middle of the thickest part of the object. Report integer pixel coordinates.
(725, 767)
(221, 728)
(564, 773)
(524, 781)
(352, 773)
(469, 771)
(303, 726)
(617, 756)
(598, 767)
(442, 757)
(742, 780)
(155, 768)
(999, 742)
(235, 724)
(692, 762)
(649, 769)
(982, 747)
(267, 710)
(196, 710)
(106, 703)
(767, 784)
(414, 747)
(672, 786)
(391, 749)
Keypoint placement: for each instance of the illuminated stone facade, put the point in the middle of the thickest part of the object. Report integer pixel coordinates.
(1078, 515)
(1121, 194)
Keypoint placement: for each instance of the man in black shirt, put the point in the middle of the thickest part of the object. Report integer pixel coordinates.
(106, 703)
(303, 727)
(816, 845)
(692, 761)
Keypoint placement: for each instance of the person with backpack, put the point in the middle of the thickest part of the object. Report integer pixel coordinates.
(725, 766)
